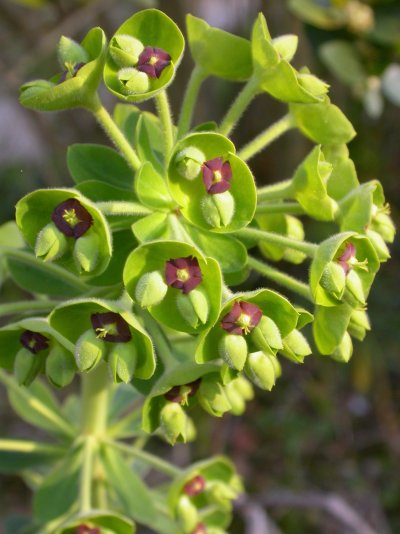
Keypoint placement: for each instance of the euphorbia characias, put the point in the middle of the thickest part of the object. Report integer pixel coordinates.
(132, 273)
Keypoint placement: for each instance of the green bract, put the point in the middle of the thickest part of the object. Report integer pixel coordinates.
(73, 321)
(196, 204)
(191, 312)
(151, 28)
(88, 255)
(286, 225)
(83, 65)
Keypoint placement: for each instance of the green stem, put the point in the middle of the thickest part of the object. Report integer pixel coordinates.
(280, 207)
(86, 484)
(239, 105)
(159, 339)
(114, 207)
(277, 191)
(278, 239)
(280, 278)
(266, 137)
(95, 396)
(30, 447)
(192, 90)
(37, 405)
(114, 133)
(150, 459)
(27, 306)
(164, 112)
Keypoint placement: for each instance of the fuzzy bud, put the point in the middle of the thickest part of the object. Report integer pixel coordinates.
(187, 514)
(27, 366)
(189, 161)
(344, 350)
(89, 350)
(86, 252)
(125, 50)
(193, 307)
(122, 361)
(133, 81)
(212, 397)
(173, 422)
(50, 244)
(218, 209)
(233, 350)
(261, 369)
(60, 366)
(334, 279)
(150, 289)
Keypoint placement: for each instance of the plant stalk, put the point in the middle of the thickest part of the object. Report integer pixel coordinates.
(239, 105)
(280, 207)
(278, 239)
(164, 112)
(95, 397)
(277, 191)
(27, 306)
(115, 207)
(192, 90)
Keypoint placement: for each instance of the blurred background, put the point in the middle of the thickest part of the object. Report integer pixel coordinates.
(324, 445)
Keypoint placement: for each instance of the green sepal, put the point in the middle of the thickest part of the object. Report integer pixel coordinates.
(211, 396)
(34, 211)
(329, 250)
(261, 369)
(70, 53)
(78, 91)
(233, 350)
(217, 52)
(188, 193)
(153, 257)
(151, 188)
(286, 45)
(152, 28)
(310, 186)
(286, 225)
(60, 366)
(275, 307)
(330, 325)
(73, 319)
(122, 360)
(322, 122)
(343, 178)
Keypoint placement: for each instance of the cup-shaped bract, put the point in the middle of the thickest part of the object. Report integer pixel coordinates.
(343, 269)
(76, 86)
(121, 340)
(273, 72)
(31, 347)
(286, 225)
(182, 286)
(64, 226)
(259, 320)
(133, 74)
(222, 197)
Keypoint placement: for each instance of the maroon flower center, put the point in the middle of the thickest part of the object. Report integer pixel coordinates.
(111, 327)
(200, 529)
(217, 175)
(195, 486)
(33, 341)
(153, 61)
(183, 273)
(68, 74)
(347, 257)
(71, 218)
(84, 529)
(242, 319)
(181, 394)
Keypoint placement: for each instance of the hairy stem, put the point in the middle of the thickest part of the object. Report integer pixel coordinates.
(239, 105)
(164, 112)
(16, 445)
(280, 278)
(115, 207)
(27, 306)
(192, 90)
(114, 133)
(280, 207)
(95, 397)
(86, 484)
(278, 239)
(266, 137)
(277, 191)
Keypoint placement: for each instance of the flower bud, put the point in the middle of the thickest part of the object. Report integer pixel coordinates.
(237, 402)
(89, 350)
(359, 324)
(125, 50)
(355, 287)
(334, 279)
(312, 84)
(212, 397)
(194, 486)
(383, 224)
(122, 361)
(189, 161)
(221, 494)
(150, 289)
(60, 366)
(86, 252)
(266, 335)
(218, 209)
(233, 350)
(344, 350)
(173, 422)
(379, 245)
(261, 369)
(50, 244)
(133, 81)
(71, 53)
(186, 514)
(193, 306)
(34, 88)
(27, 366)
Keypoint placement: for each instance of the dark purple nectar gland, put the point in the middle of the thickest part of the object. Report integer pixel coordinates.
(71, 218)
(195, 486)
(183, 273)
(67, 74)
(33, 341)
(111, 327)
(152, 61)
(181, 394)
(199, 529)
(347, 260)
(84, 529)
(242, 319)
(217, 175)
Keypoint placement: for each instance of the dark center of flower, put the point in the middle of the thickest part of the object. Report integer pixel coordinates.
(70, 72)
(183, 273)
(199, 529)
(84, 529)
(71, 218)
(153, 61)
(242, 319)
(347, 259)
(195, 486)
(217, 175)
(181, 394)
(33, 341)
(110, 326)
